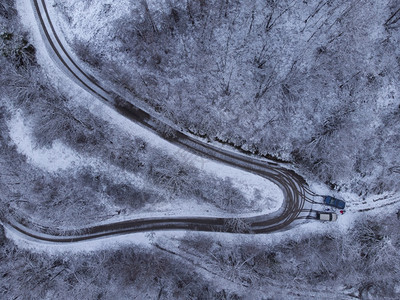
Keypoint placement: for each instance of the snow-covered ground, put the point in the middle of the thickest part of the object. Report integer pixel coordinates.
(61, 157)
(356, 207)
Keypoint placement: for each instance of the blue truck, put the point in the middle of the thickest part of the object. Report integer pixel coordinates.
(331, 201)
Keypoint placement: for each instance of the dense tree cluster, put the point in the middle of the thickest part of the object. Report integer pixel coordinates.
(360, 262)
(313, 82)
(14, 44)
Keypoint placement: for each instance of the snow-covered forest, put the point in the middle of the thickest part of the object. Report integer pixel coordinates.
(123, 171)
(311, 82)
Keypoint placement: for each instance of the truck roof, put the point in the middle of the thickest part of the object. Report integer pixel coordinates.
(326, 216)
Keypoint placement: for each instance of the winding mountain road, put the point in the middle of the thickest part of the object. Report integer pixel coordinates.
(292, 185)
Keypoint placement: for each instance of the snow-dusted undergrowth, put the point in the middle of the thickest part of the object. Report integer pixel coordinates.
(60, 158)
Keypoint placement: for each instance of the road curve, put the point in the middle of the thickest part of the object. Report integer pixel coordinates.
(291, 184)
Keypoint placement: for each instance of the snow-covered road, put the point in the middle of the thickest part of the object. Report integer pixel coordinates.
(290, 184)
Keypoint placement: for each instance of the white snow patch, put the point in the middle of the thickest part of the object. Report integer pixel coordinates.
(59, 157)
(252, 186)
